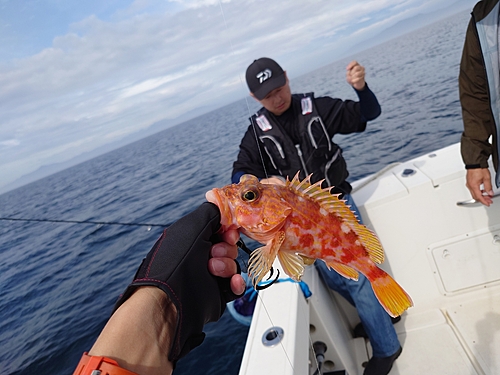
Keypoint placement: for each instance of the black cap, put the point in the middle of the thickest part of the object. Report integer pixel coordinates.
(263, 76)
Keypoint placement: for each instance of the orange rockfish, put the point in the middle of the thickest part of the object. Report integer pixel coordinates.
(300, 222)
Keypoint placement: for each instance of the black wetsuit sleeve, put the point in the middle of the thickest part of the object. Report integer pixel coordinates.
(369, 105)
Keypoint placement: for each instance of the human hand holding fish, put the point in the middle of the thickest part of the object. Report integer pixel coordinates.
(299, 222)
(160, 316)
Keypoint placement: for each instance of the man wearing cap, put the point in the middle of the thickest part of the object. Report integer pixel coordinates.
(292, 133)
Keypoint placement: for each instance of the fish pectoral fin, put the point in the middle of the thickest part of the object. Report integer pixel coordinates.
(261, 259)
(343, 270)
(293, 264)
(308, 261)
(259, 264)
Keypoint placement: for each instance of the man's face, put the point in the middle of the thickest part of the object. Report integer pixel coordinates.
(278, 100)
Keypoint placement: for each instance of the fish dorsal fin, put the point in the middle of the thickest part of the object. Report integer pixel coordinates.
(371, 243)
(342, 269)
(293, 264)
(332, 204)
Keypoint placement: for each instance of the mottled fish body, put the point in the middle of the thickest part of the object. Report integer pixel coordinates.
(300, 222)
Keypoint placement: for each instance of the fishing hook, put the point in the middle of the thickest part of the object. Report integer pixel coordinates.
(260, 287)
(244, 247)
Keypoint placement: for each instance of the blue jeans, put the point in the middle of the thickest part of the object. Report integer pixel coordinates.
(375, 320)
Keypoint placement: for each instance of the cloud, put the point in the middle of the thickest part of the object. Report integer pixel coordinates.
(107, 78)
(10, 143)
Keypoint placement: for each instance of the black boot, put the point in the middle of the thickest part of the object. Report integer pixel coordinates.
(359, 330)
(381, 366)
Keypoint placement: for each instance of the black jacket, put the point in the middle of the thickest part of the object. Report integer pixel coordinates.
(257, 156)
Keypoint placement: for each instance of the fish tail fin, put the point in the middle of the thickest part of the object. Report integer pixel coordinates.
(391, 295)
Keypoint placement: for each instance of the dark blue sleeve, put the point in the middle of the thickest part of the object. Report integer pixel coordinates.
(369, 106)
(236, 177)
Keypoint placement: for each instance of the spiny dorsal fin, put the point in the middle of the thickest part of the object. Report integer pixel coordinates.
(332, 203)
(371, 243)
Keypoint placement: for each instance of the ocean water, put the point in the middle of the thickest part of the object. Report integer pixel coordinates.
(59, 281)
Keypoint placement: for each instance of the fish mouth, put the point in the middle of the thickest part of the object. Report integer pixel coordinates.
(218, 198)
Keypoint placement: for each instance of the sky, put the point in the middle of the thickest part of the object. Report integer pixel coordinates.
(76, 76)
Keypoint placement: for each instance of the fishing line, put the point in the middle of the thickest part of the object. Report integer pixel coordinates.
(240, 243)
(244, 248)
(246, 97)
(81, 222)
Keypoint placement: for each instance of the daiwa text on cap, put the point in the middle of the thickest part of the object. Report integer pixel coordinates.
(263, 76)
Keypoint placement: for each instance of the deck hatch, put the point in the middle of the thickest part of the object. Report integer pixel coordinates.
(467, 261)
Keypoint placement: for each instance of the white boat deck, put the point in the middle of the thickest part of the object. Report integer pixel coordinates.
(459, 340)
(446, 256)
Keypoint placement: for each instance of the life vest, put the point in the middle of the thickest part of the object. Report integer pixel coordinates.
(314, 153)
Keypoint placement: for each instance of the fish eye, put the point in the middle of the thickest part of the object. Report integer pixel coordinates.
(250, 195)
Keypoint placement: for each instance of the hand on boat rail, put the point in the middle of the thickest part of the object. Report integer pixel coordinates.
(474, 203)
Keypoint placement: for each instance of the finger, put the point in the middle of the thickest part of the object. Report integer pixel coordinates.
(486, 200)
(356, 69)
(477, 194)
(475, 191)
(485, 197)
(231, 236)
(351, 65)
(238, 284)
(357, 73)
(222, 267)
(224, 250)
